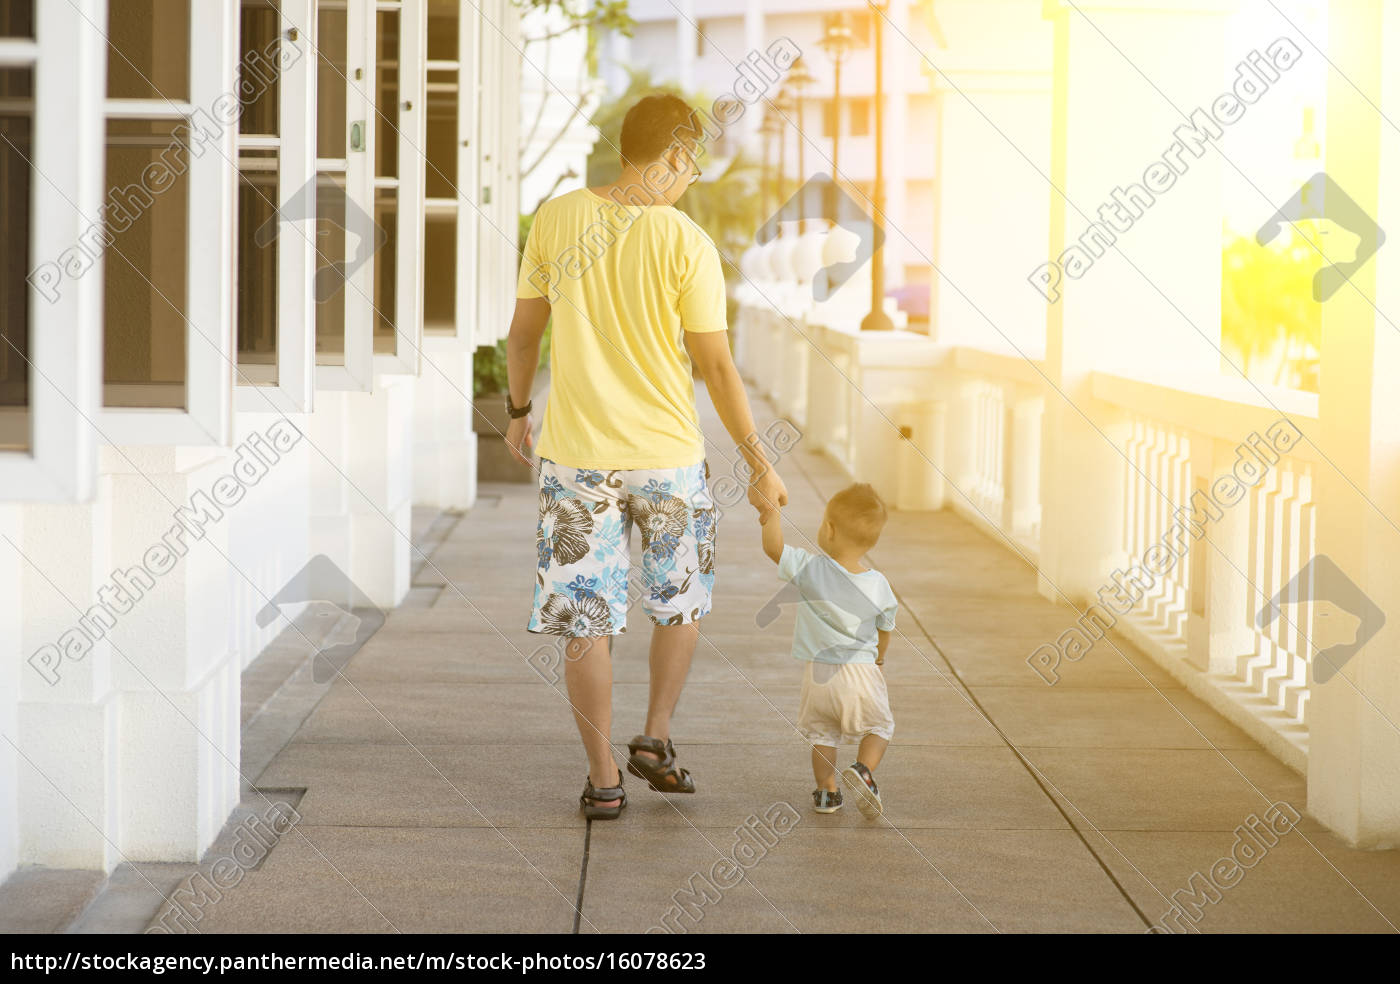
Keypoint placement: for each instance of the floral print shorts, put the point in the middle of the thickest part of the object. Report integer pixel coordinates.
(585, 582)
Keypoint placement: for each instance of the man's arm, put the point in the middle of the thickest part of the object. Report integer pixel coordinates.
(880, 649)
(709, 351)
(773, 535)
(522, 360)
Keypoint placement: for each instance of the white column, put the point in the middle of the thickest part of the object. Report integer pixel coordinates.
(11, 574)
(899, 67)
(756, 40)
(362, 489)
(993, 98)
(178, 753)
(444, 444)
(619, 57)
(66, 727)
(1354, 746)
(128, 723)
(1104, 314)
(686, 37)
(269, 538)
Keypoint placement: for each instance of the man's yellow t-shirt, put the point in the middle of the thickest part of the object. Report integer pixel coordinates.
(624, 283)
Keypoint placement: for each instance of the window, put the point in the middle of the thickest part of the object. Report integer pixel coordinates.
(862, 25)
(345, 233)
(399, 175)
(146, 299)
(171, 119)
(449, 236)
(386, 180)
(17, 19)
(51, 137)
(276, 206)
(258, 192)
(16, 189)
(860, 117)
(499, 195)
(831, 122)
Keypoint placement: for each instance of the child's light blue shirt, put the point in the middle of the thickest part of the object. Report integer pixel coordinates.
(839, 614)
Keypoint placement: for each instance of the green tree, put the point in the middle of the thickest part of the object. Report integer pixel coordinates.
(1270, 324)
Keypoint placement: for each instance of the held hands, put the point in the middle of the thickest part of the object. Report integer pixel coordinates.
(520, 441)
(767, 494)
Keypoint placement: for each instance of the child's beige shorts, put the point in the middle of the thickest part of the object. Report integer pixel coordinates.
(844, 702)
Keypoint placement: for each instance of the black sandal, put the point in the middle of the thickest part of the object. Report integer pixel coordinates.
(664, 776)
(592, 797)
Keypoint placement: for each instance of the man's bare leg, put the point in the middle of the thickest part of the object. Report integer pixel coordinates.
(672, 648)
(588, 676)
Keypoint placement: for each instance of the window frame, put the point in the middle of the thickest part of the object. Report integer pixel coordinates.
(487, 266)
(468, 171)
(210, 248)
(294, 388)
(411, 203)
(500, 60)
(356, 373)
(464, 179)
(68, 59)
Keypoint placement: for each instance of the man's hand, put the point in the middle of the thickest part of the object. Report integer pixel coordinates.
(767, 493)
(520, 441)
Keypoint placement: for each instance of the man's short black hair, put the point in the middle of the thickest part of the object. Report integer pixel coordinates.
(654, 124)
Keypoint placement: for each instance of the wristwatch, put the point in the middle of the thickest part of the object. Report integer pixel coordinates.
(517, 412)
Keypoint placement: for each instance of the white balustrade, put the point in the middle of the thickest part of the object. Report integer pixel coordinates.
(933, 425)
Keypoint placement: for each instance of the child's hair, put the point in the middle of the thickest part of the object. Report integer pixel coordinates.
(858, 513)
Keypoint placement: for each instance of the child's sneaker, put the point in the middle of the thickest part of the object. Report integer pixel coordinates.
(867, 793)
(826, 800)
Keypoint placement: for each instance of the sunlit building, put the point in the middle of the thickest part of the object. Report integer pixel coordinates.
(249, 249)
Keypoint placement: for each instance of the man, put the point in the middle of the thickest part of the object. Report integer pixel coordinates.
(637, 298)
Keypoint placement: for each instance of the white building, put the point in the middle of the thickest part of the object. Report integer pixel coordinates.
(249, 248)
(701, 46)
(558, 97)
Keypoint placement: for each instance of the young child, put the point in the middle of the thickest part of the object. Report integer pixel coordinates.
(844, 618)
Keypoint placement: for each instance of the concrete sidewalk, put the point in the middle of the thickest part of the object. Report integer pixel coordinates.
(441, 777)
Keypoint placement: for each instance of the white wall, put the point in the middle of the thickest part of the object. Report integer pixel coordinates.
(11, 518)
(269, 539)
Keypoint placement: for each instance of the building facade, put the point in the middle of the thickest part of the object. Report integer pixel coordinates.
(250, 248)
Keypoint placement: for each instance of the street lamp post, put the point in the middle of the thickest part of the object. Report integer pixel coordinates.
(782, 111)
(799, 78)
(767, 128)
(877, 319)
(837, 42)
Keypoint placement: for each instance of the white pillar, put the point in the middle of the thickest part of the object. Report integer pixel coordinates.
(1104, 314)
(1354, 746)
(444, 444)
(269, 538)
(66, 726)
(11, 574)
(686, 38)
(993, 104)
(899, 67)
(756, 40)
(362, 488)
(178, 754)
(130, 742)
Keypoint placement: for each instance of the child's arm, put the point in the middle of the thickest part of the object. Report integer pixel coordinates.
(772, 522)
(880, 649)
